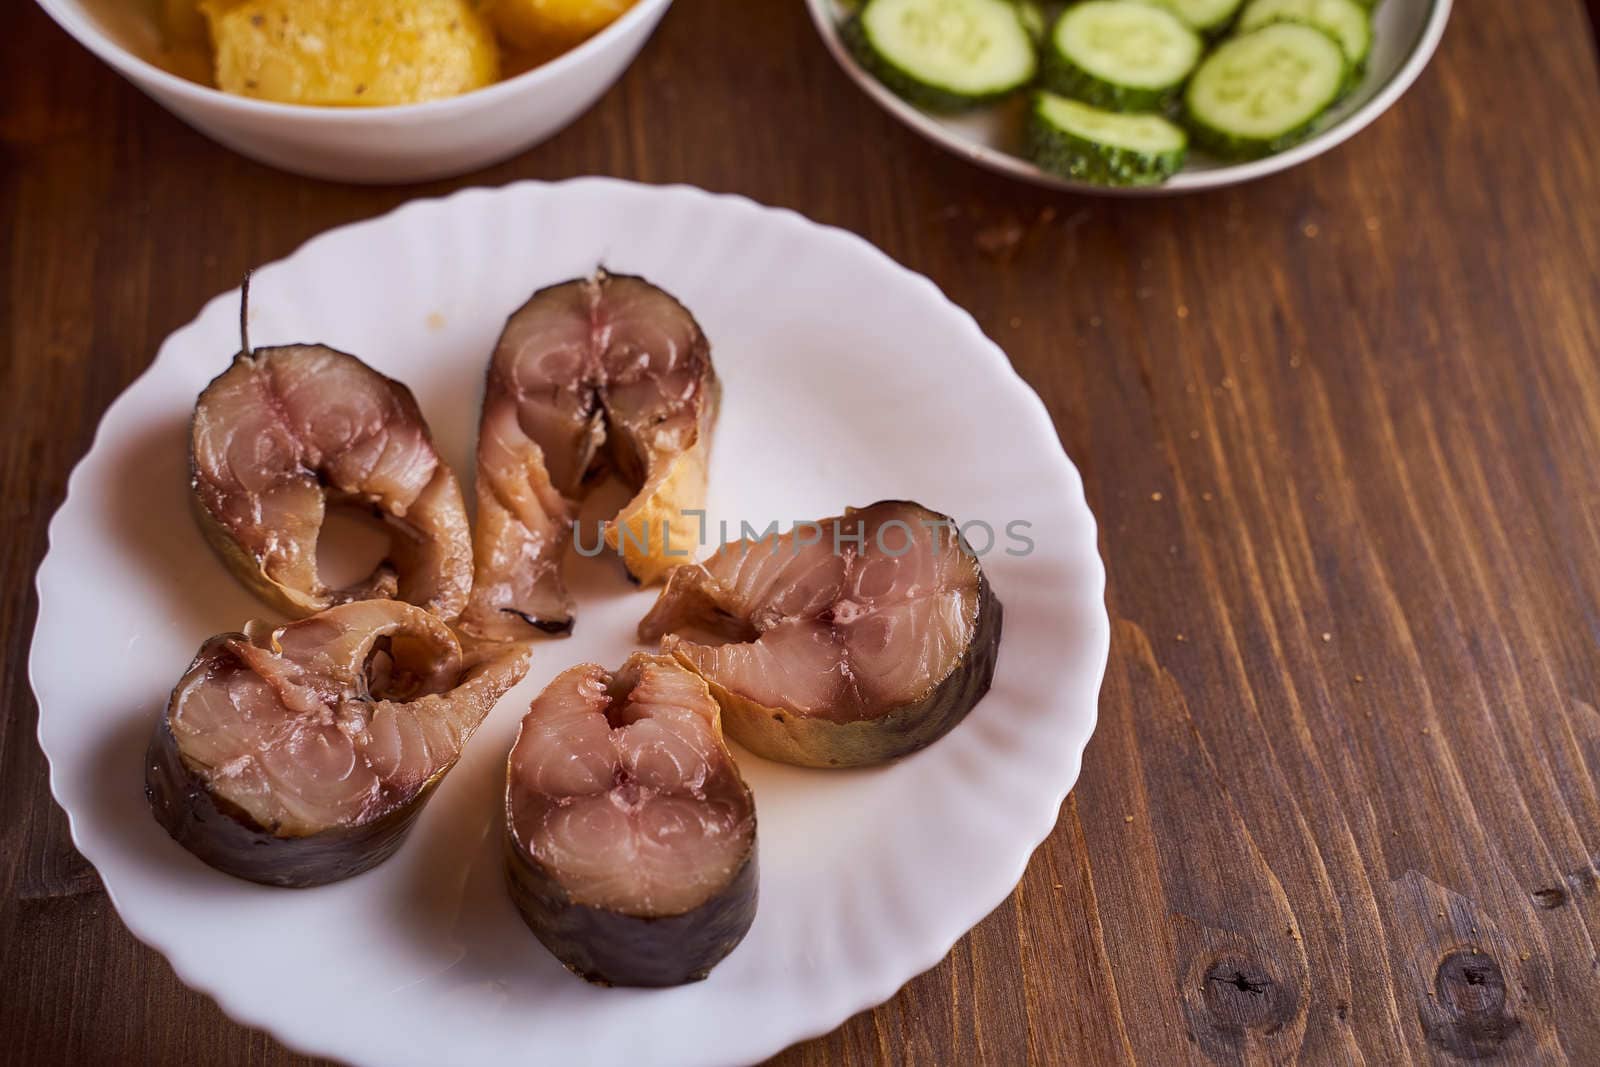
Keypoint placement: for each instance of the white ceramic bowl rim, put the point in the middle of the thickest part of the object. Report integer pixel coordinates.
(1003, 162)
(71, 18)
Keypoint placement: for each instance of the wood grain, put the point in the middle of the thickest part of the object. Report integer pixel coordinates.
(1339, 427)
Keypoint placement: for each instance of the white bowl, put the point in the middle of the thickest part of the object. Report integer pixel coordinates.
(411, 143)
(1405, 35)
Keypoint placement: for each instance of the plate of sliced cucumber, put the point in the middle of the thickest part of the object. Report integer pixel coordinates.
(1134, 97)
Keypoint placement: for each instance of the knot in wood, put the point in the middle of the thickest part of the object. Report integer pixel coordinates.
(1471, 996)
(1240, 994)
(1471, 984)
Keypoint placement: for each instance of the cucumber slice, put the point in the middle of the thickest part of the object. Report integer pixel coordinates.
(1344, 20)
(944, 55)
(1031, 13)
(1210, 17)
(1120, 54)
(1077, 140)
(1264, 91)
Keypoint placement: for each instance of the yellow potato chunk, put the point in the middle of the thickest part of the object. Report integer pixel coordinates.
(550, 25)
(341, 53)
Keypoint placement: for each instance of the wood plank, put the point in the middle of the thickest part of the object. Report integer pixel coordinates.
(1339, 430)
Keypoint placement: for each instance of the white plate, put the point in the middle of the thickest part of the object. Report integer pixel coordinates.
(1406, 34)
(847, 379)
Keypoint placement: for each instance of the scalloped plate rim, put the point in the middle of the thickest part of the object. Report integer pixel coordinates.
(1041, 822)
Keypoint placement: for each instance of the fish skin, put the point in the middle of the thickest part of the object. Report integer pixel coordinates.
(805, 741)
(609, 949)
(270, 446)
(605, 916)
(307, 676)
(794, 680)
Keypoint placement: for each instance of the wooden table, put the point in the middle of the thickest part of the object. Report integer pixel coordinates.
(1341, 429)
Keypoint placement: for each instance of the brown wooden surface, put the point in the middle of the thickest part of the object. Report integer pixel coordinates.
(1342, 431)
